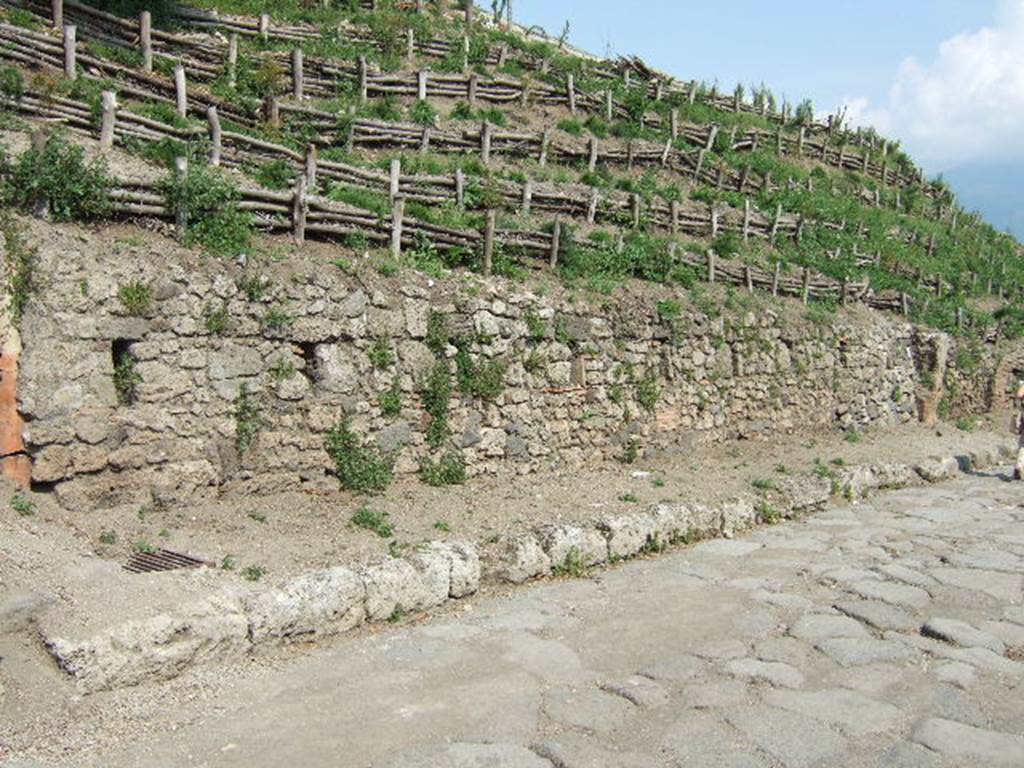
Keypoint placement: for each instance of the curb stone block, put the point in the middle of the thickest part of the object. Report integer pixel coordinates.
(627, 535)
(701, 521)
(157, 648)
(936, 470)
(319, 603)
(523, 559)
(396, 584)
(805, 492)
(736, 515)
(669, 522)
(559, 541)
(860, 481)
(455, 565)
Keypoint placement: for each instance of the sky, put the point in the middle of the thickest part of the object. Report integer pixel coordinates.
(945, 77)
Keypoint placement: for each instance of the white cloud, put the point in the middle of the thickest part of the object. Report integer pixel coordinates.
(966, 105)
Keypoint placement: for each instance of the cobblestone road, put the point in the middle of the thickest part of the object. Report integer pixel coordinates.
(888, 633)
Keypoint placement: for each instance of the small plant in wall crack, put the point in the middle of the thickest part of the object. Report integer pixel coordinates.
(360, 468)
(248, 420)
(391, 401)
(216, 318)
(23, 506)
(276, 319)
(136, 297)
(573, 565)
(450, 469)
(380, 353)
(436, 396)
(126, 379)
(20, 267)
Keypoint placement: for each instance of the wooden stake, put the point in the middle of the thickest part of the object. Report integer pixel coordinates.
(363, 86)
(746, 220)
(312, 157)
(460, 188)
(674, 123)
(271, 112)
(776, 276)
(489, 228)
(595, 198)
(108, 101)
(181, 215)
(232, 64)
(674, 217)
(394, 180)
(527, 197)
(70, 63)
(635, 204)
(410, 46)
(712, 258)
(264, 27)
(806, 291)
(421, 85)
(57, 13)
(592, 162)
(180, 93)
(215, 138)
(556, 242)
(570, 87)
(397, 215)
(485, 143)
(300, 208)
(146, 40)
(297, 78)
(545, 140)
(471, 86)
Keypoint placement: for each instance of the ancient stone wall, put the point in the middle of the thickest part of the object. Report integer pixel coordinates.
(584, 379)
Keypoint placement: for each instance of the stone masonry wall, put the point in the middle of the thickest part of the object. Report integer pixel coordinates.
(594, 379)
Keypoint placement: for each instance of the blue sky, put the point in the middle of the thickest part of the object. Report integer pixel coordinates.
(946, 77)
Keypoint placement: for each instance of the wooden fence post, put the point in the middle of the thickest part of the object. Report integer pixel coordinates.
(746, 220)
(215, 138)
(108, 101)
(312, 155)
(711, 266)
(297, 76)
(748, 275)
(460, 188)
(806, 291)
(271, 111)
(635, 206)
(489, 227)
(70, 54)
(712, 135)
(469, 14)
(421, 85)
(714, 221)
(410, 46)
(570, 87)
(181, 215)
(180, 92)
(556, 243)
(57, 13)
(397, 216)
(595, 198)
(674, 123)
(776, 275)
(674, 217)
(232, 60)
(471, 86)
(775, 223)
(608, 105)
(545, 140)
(592, 160)
(394, 179)
(485, 143)
(363, 78)
(264, 27)
(300, 208)
(527, 197)
(146, 40)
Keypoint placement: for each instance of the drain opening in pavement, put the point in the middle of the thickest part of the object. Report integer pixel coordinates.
(160, 560)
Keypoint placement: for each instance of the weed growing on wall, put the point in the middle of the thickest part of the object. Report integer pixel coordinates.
(360, 468)
(126, 380)
(20, 266)
(436, 396)
(248, 418)
(390, 402)
(136, 297)
(450, 469)
(479, 379)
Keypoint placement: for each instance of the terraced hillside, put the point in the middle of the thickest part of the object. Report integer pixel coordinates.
(461, 142)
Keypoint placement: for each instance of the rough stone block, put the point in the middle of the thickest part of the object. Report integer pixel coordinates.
(521, 559)
(805, 492)
(937, 470)
(559, 542)
(320, 603)
(395, 584)
(627, 535)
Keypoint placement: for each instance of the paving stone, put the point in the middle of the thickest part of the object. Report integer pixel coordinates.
(854, 713)
(851, 652)
(902, 595)
(587, 707)
(727, 547)
(878, 615)
(822, 626)
(961, 633)
(702, 740)
(950, 703)
(788, 650)
(570, 750)
(722, 651)
(906, 575)
(782, 600)
(967, 743)
(955, 673)
(793, 739)
(907, 755)
(467, 756)
(677, 669)
(639, 690)
(1012, 635)
(988, 561)
(723, 694)
(774, 673)
(1002, 586)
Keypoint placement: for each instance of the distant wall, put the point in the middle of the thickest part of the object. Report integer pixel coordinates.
(609, 378)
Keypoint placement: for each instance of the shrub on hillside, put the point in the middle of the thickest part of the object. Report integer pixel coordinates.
(60, 177)
(210, 202)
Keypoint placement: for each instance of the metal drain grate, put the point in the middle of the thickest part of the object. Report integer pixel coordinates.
(160, 560)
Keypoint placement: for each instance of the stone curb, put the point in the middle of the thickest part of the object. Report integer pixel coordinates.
(236, 621)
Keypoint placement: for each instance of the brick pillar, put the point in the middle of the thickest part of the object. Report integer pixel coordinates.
(14, 463)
